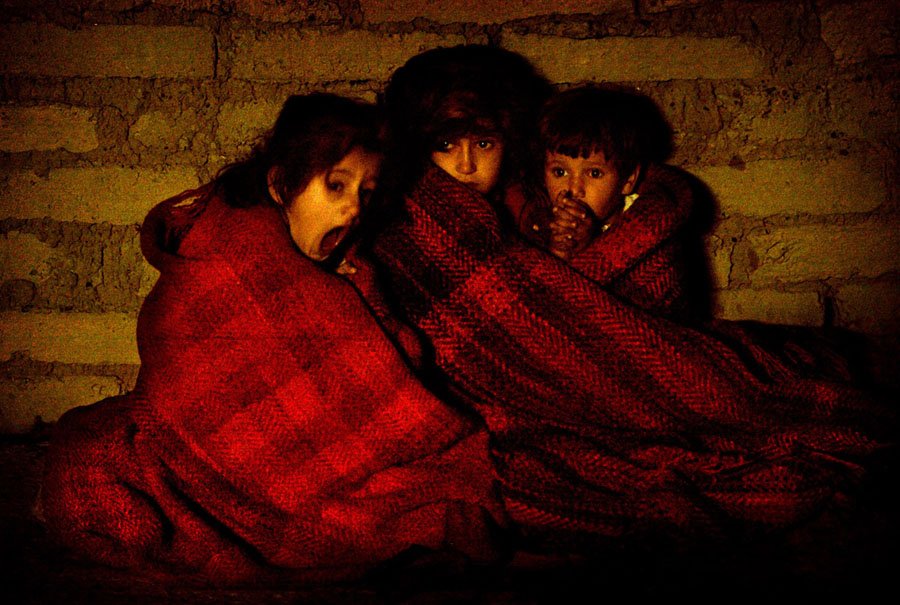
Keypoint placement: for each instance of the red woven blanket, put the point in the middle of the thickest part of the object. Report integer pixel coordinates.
(273, 426)
(640, 256)
(607, 419)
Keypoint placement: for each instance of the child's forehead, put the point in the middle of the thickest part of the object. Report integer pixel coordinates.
(466, 128)
(581, 156)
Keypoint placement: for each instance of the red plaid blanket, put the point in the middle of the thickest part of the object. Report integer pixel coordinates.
(607, 420)
(639, 257)
(273, 427)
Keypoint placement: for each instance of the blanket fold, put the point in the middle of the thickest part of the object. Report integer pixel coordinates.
(273, 428)
(640, 256)
(607, 419)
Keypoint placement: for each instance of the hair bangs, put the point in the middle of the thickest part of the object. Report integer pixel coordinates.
(578, 145)
(464, 113)
(457, 128)
(311, 134)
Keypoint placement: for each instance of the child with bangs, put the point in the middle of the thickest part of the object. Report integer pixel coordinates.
(612, 422)
(615, 212)
(592, 161)
(274, 425)
(471, 110)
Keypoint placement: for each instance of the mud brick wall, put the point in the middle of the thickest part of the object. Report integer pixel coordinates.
(787, 110)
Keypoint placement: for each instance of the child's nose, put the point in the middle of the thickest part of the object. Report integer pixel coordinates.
(352, 208)
(576, 186)
(465, 162)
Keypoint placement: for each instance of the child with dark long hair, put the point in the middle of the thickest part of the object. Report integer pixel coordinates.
(471, 111)
(274, 429)
(318, 166)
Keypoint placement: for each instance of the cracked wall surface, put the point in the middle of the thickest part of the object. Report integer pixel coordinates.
(785, 110)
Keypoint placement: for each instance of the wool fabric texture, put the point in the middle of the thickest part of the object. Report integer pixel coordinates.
(608, 417)
(274, 428)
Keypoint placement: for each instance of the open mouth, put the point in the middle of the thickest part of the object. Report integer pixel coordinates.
(331, 240)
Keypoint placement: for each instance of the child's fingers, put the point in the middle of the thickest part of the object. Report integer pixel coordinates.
(569, 212)
(346, 268)
(576, 229)
(571, 229)
(583, 230)
(574, 221)
(563, 228)
(582, 208)
(563, 241)
(575, 205)
(569, 216)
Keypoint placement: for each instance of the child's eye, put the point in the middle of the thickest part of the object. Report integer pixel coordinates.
(336, 186)
(443, 146)
(485, 144)
(596, 173)
(558, 172)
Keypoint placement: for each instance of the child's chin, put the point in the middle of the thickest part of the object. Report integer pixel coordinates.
(477, 187)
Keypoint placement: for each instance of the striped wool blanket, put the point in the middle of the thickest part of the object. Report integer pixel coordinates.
(609, 419)
(274, 428)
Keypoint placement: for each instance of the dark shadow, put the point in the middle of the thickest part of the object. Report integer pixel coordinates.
(698, 278)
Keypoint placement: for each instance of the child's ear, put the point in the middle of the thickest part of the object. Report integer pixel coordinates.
(273, 176)
(631, 181)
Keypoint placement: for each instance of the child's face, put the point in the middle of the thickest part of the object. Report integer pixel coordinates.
(592, 180)
(473, 160)
(320, 216)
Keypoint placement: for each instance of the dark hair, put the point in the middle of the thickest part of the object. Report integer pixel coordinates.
(312, 133)
(444, 93)
(627, 127)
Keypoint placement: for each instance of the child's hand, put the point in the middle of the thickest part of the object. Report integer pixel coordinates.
(534, 222)
(348, 264)
(346, 268)
(572, 227)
